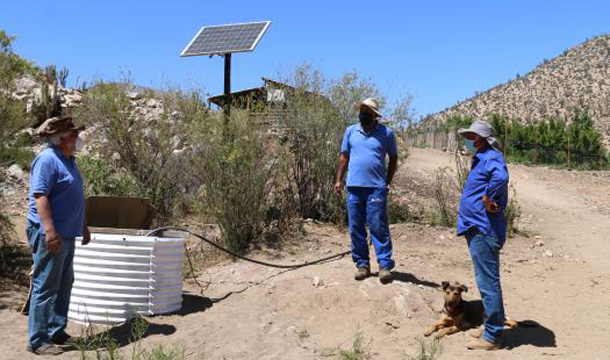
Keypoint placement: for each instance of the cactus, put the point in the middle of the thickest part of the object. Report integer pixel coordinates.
(62, 76)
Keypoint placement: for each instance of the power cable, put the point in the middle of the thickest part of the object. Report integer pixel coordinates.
(279, 266)
(202, 288)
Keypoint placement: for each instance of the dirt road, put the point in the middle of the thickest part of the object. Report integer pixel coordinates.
(557, 279)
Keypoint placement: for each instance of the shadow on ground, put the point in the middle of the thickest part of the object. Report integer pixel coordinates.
(410, 278)
(121, 335)
(140, 327)
(193, 304)
(528, 332)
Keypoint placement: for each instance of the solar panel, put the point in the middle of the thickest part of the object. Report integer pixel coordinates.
(222, 39)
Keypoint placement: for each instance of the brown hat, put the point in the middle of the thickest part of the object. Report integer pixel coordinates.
(56, 125)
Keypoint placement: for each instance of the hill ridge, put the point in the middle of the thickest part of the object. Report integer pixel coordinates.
(578, 78)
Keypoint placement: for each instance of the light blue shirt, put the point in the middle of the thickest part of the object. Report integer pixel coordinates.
(367, 153)
(57, 177)
(488, 176)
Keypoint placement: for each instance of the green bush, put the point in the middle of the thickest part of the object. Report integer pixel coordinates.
(103, 178)
(311, 140)
(19, 156)
(153, 152)
(237, 174)
(12, 66)
(552, 141)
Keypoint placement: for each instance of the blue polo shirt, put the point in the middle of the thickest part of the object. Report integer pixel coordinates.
(367, 153)
(57, 177)
(488, 176)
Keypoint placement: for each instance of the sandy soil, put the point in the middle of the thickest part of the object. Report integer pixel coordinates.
(557, 280)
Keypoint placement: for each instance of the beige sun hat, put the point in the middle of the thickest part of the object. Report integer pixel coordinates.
(484, 130)
(370, 103)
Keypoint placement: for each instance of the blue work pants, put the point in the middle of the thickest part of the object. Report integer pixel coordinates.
(369, 205)
(485, 254)
(51, 287)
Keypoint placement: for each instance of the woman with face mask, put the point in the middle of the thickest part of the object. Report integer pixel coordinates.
(481, 221)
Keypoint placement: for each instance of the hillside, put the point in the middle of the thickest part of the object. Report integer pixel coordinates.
(579, 78)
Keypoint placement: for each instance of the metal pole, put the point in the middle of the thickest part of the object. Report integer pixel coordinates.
(227, 109)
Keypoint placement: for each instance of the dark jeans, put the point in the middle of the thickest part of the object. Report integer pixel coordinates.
(369, 205)
(52, 286)
(485, 254)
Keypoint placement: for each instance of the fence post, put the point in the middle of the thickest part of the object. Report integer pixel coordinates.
(537, 148)
(569, 152)
(505, 142)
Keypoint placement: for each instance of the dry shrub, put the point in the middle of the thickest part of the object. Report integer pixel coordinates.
(446, 198)
(237, 174)
(311, 140)
(150, 149)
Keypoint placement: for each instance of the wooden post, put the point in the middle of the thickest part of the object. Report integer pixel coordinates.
(505, 142)
(537, 148)
(569, 152)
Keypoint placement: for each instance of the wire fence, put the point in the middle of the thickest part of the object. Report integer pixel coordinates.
(518, 151)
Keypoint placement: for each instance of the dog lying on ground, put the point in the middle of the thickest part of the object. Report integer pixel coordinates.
(458, 314)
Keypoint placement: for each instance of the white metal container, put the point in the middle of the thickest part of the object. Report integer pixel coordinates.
(119, 276)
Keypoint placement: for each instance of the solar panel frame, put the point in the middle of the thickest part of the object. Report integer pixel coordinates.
(186, 52)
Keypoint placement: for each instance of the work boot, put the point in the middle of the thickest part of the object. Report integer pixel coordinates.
(385, 276)
(482, 344)
(477, 333)
(362, 273)
(46, 349)
(64, 339)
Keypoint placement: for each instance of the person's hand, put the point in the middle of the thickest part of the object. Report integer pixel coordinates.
(52, 240)
(338, 187)
(490, 206)
(86, 236)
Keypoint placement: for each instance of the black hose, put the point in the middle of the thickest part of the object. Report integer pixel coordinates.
(279, 266)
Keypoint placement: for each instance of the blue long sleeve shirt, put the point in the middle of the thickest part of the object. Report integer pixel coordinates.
(488, 176)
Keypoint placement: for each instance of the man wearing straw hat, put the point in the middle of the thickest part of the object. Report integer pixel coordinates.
(363, 155)
(481, 220)
(56, 215)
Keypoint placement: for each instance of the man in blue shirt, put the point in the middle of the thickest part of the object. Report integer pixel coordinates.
(481, 220)
(363, 153)
(56, 215)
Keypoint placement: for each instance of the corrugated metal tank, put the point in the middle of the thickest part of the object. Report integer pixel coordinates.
(118, 276)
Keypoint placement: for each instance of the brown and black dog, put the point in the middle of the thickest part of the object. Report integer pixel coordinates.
(458, 314)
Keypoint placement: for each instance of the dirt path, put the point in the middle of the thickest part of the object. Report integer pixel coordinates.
(568, 207)
(557, 278)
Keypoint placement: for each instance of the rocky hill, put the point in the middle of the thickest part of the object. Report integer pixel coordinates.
(579, 78)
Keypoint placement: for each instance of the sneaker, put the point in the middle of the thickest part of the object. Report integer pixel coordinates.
(481, 344)
(362, 273)
(385, 276)
(46, 349)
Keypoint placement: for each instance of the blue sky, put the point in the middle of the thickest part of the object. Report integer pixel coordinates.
(440, 51)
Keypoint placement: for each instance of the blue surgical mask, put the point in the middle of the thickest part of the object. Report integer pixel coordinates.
(470, 146)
